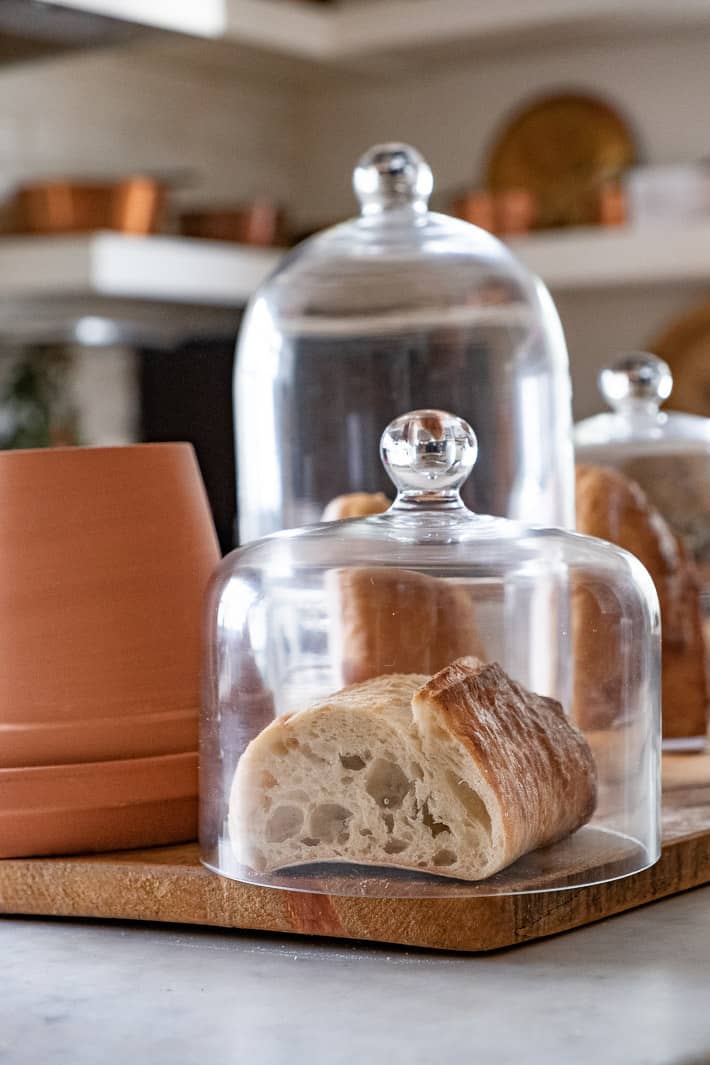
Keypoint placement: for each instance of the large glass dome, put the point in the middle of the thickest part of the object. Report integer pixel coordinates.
(397, 309)
(430, 702)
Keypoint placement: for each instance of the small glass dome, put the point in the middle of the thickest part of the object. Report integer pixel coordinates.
(430, 702)
(666, 452)
(397, 309)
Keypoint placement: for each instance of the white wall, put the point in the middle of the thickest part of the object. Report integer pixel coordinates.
(245, 130)
(153, 107)
(452, 113)
(601, 324)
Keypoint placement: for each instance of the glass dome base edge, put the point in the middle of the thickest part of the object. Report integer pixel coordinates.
(540, 872)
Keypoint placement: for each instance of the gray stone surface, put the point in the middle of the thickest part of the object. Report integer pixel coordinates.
(634, 990)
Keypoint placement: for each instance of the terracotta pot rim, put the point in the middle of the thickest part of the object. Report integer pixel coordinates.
(98, 806)
(123, 766)
(112, 738)
(82, 449)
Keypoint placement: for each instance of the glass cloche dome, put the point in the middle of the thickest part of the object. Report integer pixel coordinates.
(666, 452)
(396, 309)
(430, 702)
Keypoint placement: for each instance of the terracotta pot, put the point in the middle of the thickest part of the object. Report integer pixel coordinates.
(98, 806)
(104, 557)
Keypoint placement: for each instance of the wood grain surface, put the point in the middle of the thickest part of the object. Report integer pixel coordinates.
(169, 884)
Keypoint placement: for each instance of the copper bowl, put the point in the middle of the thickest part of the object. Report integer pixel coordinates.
(259, 223)
(510, 212)
(132, 205)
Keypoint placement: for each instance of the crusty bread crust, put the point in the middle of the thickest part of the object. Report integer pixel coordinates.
(388, 620)
(614, 508)
(356, 505)
(458, 774)
(538, 767)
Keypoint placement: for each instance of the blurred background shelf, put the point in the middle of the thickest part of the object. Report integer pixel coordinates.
(189, 271)
(30, 30)
(163, 269)
(205, 18)
(578, 259)
(106, 288)
(275, 100)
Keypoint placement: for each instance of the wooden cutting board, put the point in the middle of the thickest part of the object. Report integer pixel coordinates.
(169, 884)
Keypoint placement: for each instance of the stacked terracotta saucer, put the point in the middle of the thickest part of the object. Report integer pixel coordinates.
(105, 554)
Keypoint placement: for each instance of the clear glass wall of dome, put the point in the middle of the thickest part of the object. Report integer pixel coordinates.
(635, 387)
(298, 618)
(399, 309)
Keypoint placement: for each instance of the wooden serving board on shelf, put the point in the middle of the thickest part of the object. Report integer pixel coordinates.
(169, 884)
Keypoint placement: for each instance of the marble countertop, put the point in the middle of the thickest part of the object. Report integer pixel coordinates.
(633, 990)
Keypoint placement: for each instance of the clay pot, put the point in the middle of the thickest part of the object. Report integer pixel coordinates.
(98, 806)
(105, 554)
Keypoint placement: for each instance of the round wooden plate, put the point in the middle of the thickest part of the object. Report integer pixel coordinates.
(562, 148)
(685, 345)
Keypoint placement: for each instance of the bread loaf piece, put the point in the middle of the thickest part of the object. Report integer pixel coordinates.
(356, 505)
(614, 508)
(387, 620)
(458, 774)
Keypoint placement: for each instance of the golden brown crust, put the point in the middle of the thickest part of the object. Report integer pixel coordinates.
(537, 764)
(390, 620)
(356, 505)
(614, 508)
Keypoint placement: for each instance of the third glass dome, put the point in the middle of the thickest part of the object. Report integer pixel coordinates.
(666, 452)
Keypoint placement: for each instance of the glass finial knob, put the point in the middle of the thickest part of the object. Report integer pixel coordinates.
(391, 175)
(636, 379)
(429, 453)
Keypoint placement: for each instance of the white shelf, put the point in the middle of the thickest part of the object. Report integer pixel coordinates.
(597, 258)
(190, 272)
(203, 18)
(159, 269)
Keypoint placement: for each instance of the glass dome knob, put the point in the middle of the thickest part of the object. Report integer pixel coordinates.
(637, 379)
(429, 453)
(392, 175)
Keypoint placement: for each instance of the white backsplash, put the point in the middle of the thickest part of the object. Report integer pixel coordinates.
(246, 127)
